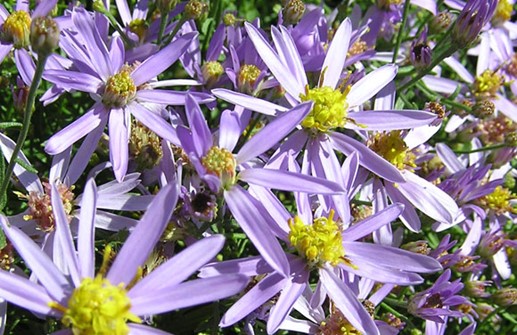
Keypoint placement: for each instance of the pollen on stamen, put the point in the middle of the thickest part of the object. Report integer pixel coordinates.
(220, 162)
(16, 29)
(337, 324)
(503, 12)
(487, 84)
(248, 76)
(96, 307)
(120, 89)
(329, 110)
(319, 243)
(499, 201)
(139, 27)
(40, 207)
(392, 147)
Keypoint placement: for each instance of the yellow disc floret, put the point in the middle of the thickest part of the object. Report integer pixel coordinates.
(318, 243)
(248, 76)
(329, 110)
(139, 27)
(97, 307)
(499, 201)
(337, 324)
(120, 89)
(487, 84)
(220, 162)
(503, 12)
(16, 29)
(392, 147)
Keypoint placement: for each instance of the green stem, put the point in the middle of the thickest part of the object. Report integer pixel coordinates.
(127, 41)
(36, 80)
(401, 29)
(487, 148)
(163, 24)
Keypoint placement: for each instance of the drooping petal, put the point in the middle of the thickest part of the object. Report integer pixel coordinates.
(154, 122)
(24, 293)
(143, 238)
(95, 117)
(289, 55)
(73, 80)
(118, 129)
(386, 120)
(373, 222)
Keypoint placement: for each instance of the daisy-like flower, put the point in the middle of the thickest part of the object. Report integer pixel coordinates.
(111, 301)
(335, 106)
(15, 27)
(120, 90)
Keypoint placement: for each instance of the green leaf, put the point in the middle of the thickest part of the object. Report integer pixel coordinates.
(7, 125)
(3, 241)
(26, 166)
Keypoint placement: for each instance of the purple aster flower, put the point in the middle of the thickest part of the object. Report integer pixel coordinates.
(75, 296)
(324, 246)
(471, 20)
(120, 90)
(435, 303)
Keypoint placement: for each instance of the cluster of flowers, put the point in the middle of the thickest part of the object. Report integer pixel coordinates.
(339, 172)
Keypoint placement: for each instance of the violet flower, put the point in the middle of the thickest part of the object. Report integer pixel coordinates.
(124, 295)
(120, 91)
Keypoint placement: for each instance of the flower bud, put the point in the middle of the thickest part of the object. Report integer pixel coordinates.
(483, 108)
(195, 9)
(471, 19)
(44, 35)
(490, 244)
(506, 296)
(476, 288)
(293, 11)
(440, 23)
(166, 6)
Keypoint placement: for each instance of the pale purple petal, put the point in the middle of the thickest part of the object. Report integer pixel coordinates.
(160, 61)
(449, 158)
(440, 85)
(248, 266)
(201, 136)
(430, 5)
(154, 122)
(181, 296)
(428, 198)
(43, 8)
(123, 11)
(95, 117)
(372, 83)
(273, 133)
(275, 209)
(372, 223)
(83, 155)
(249, 102)
(118, 129)
(386, 120)
(336, 55)
(167, 97)
(40, 264)
(64, 236)
(143, 238)
(117, 53)
(289, 181)
(347, 303)
(229, 129)
(281, 72)
(183, 265)
(289, 55)
(25, 65)
(86, 233)
(246, 212)
(24, 293)
(254, 298)
(73, 80)
(506, 107)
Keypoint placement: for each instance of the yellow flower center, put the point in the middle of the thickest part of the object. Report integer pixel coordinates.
(40, 205)
(16, 29)
(386, 4)
(499, 201)
(97, 307)
(392, 148)
(220, 162)
(248, 76)
(144, 146)
(503, 12)
(139, 27)
(212, 71)
(487, 84)
(120, 89)
(229, 19)
(329, 110)
(318, 243)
